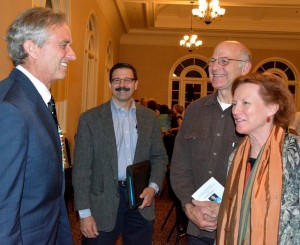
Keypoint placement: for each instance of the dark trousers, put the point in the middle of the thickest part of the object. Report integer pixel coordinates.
(192, 240)
(130, 223)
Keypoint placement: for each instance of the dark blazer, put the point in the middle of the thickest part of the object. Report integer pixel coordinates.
(32, 209)
(95, 171)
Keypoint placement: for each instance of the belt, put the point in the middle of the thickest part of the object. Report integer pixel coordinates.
(122, 183)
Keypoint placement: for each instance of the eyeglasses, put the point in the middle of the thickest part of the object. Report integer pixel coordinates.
(223, 61)
(118, 80)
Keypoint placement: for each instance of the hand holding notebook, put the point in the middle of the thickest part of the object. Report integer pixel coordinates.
(138, 175)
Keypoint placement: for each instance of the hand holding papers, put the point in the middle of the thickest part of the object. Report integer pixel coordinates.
(211, 190)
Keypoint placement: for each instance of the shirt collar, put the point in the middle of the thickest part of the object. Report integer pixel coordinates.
(119, 109)
(223, 105)
(41, 88)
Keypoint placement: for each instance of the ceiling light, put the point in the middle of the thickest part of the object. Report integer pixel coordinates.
(190, 41)
(208, 10)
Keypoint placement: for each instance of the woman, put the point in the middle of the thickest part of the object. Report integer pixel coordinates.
(164, 119)
(260, 204)
(176, 119)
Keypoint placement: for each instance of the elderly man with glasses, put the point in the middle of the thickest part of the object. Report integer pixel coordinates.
(205, 140)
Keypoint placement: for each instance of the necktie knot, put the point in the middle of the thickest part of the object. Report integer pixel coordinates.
(52, 109)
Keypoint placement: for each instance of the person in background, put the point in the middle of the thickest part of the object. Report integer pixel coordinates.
(110, 137)
(164, 119)
(261, 199)
(294, 126)
(144, 101)
(176, 119)
(152, 104)
(32, 207)
(205, 140)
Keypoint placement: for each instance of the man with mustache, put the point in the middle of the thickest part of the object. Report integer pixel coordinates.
(110, 137)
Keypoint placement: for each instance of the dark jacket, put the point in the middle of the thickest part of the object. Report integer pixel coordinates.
(95, 172)
(203, 144)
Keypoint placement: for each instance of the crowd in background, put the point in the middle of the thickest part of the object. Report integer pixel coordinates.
(170, 119)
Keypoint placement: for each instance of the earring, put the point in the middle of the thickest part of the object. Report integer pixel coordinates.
(268, 119)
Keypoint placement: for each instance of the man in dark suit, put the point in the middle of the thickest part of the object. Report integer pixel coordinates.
(32, 208)
(109, 138)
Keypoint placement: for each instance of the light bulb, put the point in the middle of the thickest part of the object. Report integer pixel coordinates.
(198, 43)
(221, 11)
(194, 36)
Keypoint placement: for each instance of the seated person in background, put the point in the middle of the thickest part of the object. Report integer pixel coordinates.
(164, 119)
(176, 119)
(260, 204)
(294, 127)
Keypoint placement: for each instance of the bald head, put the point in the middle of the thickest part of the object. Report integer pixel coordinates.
(236, 48)
(229, 60)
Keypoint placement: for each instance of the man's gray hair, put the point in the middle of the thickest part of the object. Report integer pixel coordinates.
(33, 24)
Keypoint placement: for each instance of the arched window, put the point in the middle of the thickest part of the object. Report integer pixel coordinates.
(90, 74)
(108, 65)
(284, 69)
(189, 80)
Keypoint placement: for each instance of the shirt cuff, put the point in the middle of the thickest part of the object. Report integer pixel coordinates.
(155, 187)
(84, 213)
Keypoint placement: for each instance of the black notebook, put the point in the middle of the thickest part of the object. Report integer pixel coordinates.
(138, 175)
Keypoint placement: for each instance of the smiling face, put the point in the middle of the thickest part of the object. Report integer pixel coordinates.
(250, 111)
(49, 62)
(222, 77)
(123, 97)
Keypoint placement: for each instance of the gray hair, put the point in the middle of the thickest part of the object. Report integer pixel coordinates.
(245, 55)
(33, 24)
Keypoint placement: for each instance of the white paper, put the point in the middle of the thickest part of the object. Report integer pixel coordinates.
(211, 190)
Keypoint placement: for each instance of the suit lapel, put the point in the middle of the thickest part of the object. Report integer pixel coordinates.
(106, 124)
(38, 106)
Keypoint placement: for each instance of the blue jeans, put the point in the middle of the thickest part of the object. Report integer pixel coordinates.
(130, 223)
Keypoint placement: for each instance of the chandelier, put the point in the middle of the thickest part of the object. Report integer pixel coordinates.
(208, 10)
(190, 41)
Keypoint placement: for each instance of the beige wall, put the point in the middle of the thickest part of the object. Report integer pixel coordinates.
(9, 9)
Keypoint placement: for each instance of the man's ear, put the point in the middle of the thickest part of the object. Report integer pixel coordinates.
(246, 68)
(136, 85)
(31, 48)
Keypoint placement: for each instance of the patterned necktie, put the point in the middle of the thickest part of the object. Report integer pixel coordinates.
(52, 109)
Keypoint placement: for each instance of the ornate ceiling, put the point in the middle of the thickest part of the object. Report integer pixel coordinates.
(263, 23)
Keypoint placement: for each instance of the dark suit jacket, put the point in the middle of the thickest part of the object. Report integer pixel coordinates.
(32, 209)
(95, 171)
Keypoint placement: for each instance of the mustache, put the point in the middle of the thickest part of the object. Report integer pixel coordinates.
(122, 89)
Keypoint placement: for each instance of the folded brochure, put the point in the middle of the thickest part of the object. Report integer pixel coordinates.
(211, 190)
